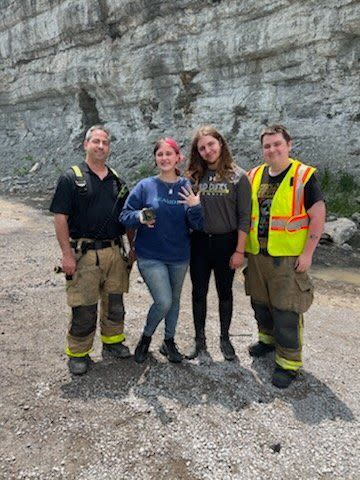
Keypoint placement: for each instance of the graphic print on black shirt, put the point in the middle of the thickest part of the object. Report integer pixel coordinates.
(266, 192)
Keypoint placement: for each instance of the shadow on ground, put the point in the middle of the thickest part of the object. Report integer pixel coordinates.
(226, 384)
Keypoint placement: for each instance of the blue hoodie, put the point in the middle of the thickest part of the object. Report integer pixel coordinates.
(169, 240)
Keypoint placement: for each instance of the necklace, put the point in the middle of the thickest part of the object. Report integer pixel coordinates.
(169, 185)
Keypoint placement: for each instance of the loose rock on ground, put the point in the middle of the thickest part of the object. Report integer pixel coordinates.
(203, 419)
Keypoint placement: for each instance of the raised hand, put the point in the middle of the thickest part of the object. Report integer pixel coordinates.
(188, 197)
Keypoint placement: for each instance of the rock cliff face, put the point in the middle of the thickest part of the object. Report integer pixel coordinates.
(148, 68)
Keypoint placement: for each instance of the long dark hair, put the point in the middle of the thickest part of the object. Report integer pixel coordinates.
(197, 165)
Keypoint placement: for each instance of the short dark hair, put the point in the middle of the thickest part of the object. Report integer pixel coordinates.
(273, 130)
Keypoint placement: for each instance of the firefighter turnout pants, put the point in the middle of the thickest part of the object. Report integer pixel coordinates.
(279, 297)
(100, 275)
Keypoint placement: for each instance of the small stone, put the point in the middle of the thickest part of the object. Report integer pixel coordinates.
(276, 447)
(35, 167)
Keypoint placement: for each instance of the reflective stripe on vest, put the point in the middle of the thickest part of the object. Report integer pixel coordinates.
(251, 174)
(290, 224)
(289, 199)
(296, 221)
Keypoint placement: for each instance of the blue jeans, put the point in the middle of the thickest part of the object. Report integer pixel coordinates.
(164, 281)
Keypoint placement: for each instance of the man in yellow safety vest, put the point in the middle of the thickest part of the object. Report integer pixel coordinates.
(287, 220)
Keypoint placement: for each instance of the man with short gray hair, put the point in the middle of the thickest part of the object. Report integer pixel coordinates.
(86, 206)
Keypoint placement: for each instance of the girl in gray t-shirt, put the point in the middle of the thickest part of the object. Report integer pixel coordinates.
(226, 201)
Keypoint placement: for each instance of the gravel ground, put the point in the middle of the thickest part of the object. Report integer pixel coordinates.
(203, 419)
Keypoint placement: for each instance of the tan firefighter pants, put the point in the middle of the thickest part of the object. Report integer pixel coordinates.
(279, 297)
(100, 275)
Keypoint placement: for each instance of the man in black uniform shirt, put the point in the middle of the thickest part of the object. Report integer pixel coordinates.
(86, 207)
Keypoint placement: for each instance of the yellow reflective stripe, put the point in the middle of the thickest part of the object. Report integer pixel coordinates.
(113, 339)
(77, 171)
(265, 338)
(301, 329)
(69, 353)
(287, 364)
(113, 171)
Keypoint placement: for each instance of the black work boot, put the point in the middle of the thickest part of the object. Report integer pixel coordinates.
(169, 349)
(260, 349)
(118, 350)
(227, 348)
(282, 378)
(142, 349)
(198, 347)
(79, 365)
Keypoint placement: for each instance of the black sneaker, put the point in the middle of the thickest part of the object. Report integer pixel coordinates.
(169, 350)
(227, 349)
(198, 347)
(260, 349)
(142, 349)
(283, 378)
(79, 365)
(118, 350)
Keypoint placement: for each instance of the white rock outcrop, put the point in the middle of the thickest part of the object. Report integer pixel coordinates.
(340, 230)
(149, 68)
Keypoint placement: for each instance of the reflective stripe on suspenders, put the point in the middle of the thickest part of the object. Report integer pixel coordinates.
(80, 181)
(123, 189)
(79, 177)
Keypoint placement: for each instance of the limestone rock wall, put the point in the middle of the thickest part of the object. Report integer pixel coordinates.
(152, 67)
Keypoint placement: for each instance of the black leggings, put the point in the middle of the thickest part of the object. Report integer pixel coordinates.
(212, 252)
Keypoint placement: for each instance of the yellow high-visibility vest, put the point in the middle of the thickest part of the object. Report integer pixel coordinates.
(288, 222)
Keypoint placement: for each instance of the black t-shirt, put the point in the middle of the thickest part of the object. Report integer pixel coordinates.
(91, 212)
(266, 192)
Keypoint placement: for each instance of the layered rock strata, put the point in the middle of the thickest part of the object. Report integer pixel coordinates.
(148, 68)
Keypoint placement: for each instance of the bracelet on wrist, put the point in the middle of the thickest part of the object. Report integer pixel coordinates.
(238, 251)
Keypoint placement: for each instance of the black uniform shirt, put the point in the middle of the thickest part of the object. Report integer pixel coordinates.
(91, 212)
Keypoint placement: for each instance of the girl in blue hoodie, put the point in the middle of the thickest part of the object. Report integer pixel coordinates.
(163, 209)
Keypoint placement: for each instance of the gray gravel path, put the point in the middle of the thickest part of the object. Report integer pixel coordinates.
(204, 419)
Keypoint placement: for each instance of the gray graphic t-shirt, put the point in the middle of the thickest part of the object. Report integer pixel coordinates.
(226, 203)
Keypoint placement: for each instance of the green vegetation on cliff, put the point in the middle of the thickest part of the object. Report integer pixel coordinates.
(342, 192)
